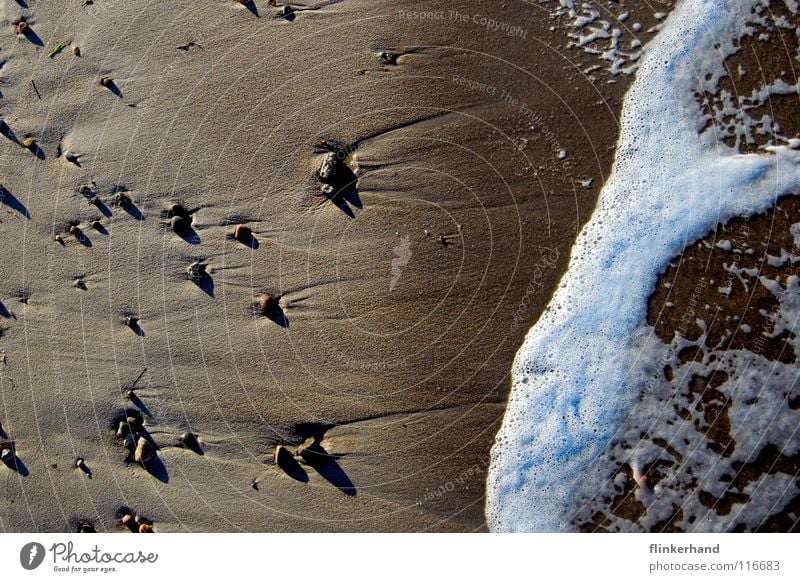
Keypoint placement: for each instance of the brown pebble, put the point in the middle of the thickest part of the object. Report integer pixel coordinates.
(106, 81)
(266, 304)
(74, 230)
(179, 224)
(144, 452)
(97, 225)
(145, 528)
(242, 233)
(29, 143)
(178, 210)
(76, 50)
(127, 518)
(58, 238)
(22, 27)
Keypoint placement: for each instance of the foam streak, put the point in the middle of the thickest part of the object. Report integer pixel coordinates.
(579, 369)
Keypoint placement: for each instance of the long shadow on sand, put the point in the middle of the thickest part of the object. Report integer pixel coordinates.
(251, 6)
(4, 312)
(137, 402)
(37, 151)
(14, 463)
(114, 88)
(7, 133)
(277, 315)
(134, 211)
(101, 206)
(188, 235)
(157, 469)
(325, 464)
(206, 284)
(294, 470)
(33, 37)
(13, 202)
(345, 195)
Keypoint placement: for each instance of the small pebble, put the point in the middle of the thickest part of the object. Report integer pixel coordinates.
(144, 452)
(266, 304)
(123, 200)
(178, 224)
(242, 233)
(106, 81)
(76, 50)
(178, 210)
(196, 271)
(29, 143)
(189, 440)
(74, 230)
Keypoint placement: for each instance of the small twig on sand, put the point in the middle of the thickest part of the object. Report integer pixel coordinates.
(35, 89)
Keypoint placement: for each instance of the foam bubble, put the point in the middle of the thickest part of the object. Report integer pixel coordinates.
(579, 369)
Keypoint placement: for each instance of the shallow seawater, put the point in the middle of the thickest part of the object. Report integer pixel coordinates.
(585, 363)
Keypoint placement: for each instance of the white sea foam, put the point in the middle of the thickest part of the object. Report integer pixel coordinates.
(581, 366)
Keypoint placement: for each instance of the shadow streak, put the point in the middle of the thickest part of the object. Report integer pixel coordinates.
(251, 6)
(277, 315)
(345, 191)
(137, 402)
(136, 328)
(83, 239)
(249, 241)
(37, 151)
(188, 235)
(33, 37)
(157, 469)
(114, 88)
(293, 469)
(14, 463)
(325, 464)
(101, 206)
(9, 134)
(13, 202)
(134, 211)
(206, 284)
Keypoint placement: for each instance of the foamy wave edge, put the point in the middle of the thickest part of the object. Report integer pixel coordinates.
(581, 366)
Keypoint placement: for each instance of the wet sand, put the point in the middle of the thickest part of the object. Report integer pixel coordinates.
(401, 302)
